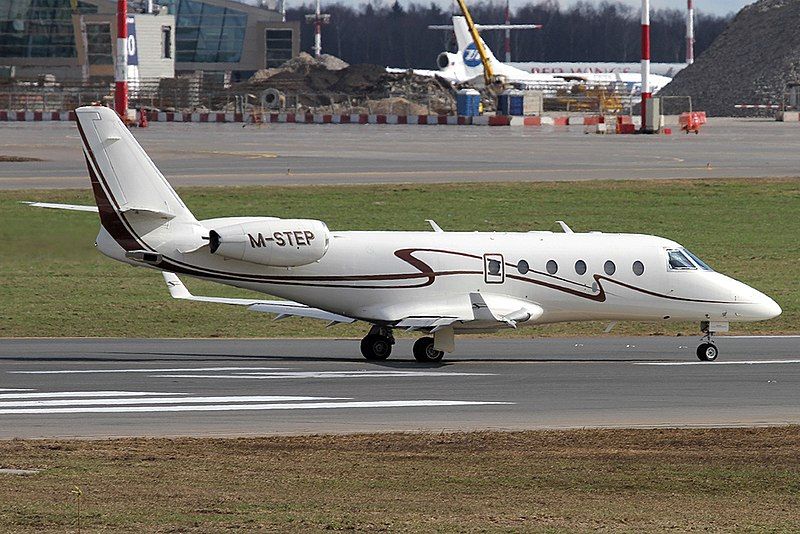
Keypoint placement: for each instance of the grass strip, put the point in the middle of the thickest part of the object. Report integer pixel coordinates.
(744, 480)
(55, 284)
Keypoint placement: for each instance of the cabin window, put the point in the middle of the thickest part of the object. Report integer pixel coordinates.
(609, 267)
(679, 262)
(638, 268)
(552, 267)
(523, 267)
(580, 267)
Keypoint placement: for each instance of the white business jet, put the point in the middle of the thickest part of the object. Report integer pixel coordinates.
(439, 283)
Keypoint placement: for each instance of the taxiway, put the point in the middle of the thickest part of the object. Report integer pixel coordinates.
(229, 154)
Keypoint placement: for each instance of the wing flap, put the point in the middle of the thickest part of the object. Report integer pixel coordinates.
(479, 311)
(414, 323)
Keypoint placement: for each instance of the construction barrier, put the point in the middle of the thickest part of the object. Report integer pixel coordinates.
(320, 118)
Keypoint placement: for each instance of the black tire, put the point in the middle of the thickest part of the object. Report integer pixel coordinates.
(376, 348)
(707, 352)
(424, 351)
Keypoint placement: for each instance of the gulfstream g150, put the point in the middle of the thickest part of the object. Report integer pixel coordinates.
(438, 283)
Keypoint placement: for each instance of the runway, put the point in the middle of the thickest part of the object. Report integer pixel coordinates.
(91, 388)
(228, 154)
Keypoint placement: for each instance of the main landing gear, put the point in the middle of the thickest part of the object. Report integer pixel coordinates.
(424, 351)
(377, 346)
(707, 351)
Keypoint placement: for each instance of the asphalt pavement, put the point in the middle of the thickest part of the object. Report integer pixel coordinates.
(92, 388)
(229, 154)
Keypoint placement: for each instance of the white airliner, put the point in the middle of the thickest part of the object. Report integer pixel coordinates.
(668, 70)
(439, 283)
(465, 66)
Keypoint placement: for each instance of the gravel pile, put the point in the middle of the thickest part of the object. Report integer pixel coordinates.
(751, 62)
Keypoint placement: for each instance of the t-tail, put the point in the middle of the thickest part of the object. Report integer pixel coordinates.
(138, 209)
(468, 58)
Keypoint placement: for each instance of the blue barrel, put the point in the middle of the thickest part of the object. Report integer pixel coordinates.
(468, 102)
(511, 102)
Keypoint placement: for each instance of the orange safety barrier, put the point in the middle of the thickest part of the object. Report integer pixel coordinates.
(692, 121)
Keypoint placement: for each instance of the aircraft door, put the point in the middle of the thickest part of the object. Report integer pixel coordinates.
(494, 269)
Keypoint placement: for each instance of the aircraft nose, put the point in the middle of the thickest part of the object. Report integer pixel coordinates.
(766, 308)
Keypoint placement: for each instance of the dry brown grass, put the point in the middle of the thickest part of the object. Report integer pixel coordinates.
(610, 480)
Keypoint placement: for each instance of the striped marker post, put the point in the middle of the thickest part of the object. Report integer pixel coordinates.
(646, 94)
(121, 63)
(690, 32)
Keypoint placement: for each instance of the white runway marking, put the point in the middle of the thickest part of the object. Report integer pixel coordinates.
(760, 337)
(327, 374)
(15, 389)
(151, 370)
(161, 400)
(739, 362)
(98, 394)
(251, 407)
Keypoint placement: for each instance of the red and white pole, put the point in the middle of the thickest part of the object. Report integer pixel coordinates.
(121, 63)
(318, 33)
(690, 32)
(508, 33)
(646, 94)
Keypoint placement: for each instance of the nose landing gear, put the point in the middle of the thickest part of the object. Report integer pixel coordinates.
(707, 351)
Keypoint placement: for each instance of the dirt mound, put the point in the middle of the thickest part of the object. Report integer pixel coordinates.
(304, 60)
(396, 106)
(310, 85)
(751, 62)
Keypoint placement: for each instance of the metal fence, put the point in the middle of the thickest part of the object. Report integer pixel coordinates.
(191, 94)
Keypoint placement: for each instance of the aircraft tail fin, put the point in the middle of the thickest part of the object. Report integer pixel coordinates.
(467, 51)
(124, 178)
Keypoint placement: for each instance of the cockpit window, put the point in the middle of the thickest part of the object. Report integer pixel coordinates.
(679, 261)
(700, 263)
(683, 260)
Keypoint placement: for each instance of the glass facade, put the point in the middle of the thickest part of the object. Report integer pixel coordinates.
(39, 28)
(279, 47)
(98, 43)
(207, 33)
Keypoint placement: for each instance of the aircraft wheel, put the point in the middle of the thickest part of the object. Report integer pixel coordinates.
(707, 352)
(375, 347)
(424, 351)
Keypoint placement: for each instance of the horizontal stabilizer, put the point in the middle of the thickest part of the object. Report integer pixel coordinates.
(94, 209)
(283, 308)
(148, 211)
(71, 207)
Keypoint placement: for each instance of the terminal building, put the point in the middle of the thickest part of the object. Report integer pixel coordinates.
(76, 39)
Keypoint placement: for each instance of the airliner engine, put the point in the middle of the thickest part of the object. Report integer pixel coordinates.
(445, 60)
(273, 242)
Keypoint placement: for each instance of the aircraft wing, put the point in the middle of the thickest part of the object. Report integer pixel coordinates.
(282, 308)
(479, 310)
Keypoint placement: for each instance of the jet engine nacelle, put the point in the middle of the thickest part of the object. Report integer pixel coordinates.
(273, 242)
(445, 60)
